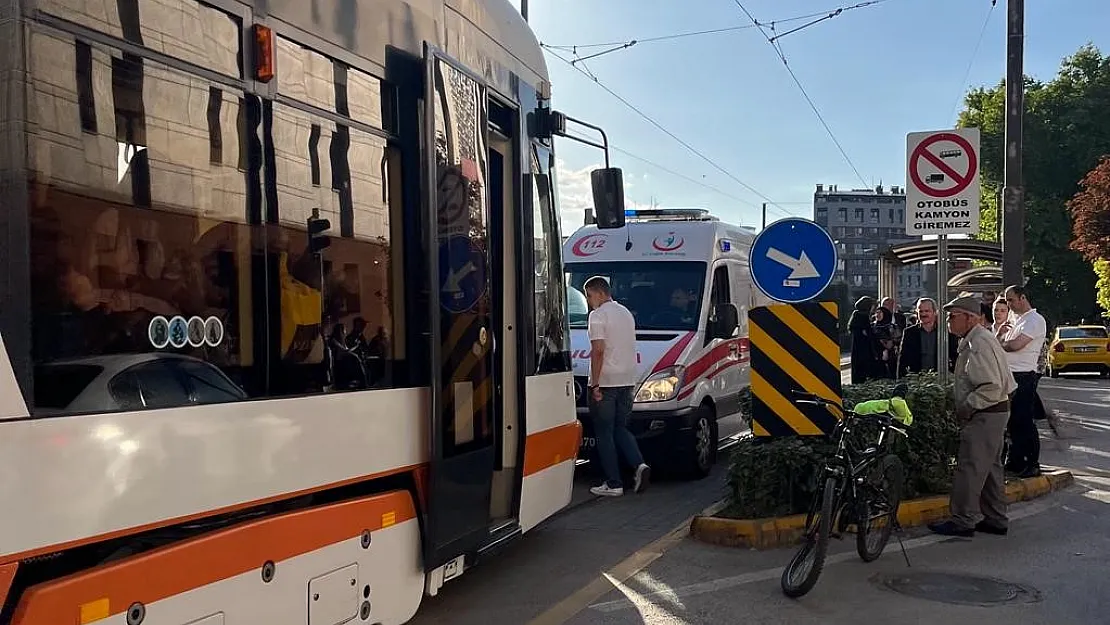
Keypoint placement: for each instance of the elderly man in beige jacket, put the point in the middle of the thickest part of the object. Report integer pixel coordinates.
(983, 384)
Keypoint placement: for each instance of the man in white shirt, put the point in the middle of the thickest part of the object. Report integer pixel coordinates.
(613, 379)
(1022, 338)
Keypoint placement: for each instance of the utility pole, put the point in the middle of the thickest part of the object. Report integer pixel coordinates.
(1013, 191)
(765, 214)
(524, 9)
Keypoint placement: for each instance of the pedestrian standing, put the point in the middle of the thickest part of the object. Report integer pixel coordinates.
(864, 363)
(982, 387)
(899, 317)
(918, 351)
(1023, 337)
(612, 382)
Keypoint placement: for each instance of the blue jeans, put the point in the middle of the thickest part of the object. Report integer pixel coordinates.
(610, 417)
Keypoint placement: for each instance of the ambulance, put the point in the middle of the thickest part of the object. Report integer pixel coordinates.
(684, 275)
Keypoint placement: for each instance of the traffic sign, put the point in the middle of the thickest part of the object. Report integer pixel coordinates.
(942, 182)
(794, 348)
(462, 274)
(793, 260)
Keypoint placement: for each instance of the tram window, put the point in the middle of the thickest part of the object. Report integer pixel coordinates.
(313, 78)
(343, 339)
(139, 237)
(550, 293)
(184, 29)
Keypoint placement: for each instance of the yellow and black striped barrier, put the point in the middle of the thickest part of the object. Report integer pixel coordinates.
(793, 347)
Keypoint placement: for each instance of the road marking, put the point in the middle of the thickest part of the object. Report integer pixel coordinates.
(567, 608)
(1074, 401)
(673, 594)
(1087, 450)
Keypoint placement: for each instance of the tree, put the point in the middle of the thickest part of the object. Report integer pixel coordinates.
(1102, 270)
(1065, 136)
(1090, 211)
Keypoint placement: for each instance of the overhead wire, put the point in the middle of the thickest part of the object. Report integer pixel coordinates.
(971, 61)
(822, 15)
(667, 132)
(677, 174)
(782, 57)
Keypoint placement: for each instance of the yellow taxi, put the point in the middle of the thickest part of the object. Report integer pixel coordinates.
(1079, 348)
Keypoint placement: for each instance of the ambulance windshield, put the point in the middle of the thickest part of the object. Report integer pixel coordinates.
(662, 295)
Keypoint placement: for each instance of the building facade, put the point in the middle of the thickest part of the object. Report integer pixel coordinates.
(863, 223)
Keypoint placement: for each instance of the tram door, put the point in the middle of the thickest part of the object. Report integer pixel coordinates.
(462, 314)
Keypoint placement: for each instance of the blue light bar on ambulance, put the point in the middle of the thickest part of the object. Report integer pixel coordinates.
(726, 245)
(668, 214)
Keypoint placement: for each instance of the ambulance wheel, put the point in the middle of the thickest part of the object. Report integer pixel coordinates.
(702, 452)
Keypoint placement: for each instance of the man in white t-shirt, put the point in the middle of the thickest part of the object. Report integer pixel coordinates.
(1023, 337)
(613, 379)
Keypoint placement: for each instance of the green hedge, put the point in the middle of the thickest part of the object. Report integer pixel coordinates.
(775, 477)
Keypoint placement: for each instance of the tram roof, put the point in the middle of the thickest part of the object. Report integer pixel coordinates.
(490, 37)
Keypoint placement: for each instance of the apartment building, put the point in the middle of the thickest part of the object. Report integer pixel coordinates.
(863, 223)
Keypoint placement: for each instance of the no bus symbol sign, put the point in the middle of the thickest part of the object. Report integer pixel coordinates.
(942, 175)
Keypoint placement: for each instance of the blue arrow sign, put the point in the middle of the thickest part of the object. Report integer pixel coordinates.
(462, 274)
(793, 260)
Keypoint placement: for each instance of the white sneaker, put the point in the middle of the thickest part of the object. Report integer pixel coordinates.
(606, 491)
(643, 475)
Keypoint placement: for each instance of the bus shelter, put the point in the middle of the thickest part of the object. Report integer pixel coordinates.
(921, 251)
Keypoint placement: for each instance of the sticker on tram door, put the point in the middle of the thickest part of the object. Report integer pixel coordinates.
(196, 332)
(179, 332)
(213, 331)
(158, 332)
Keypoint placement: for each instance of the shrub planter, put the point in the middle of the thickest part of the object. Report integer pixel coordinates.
(773, 532)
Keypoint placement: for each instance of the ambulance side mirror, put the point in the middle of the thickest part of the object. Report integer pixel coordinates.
(608, 192)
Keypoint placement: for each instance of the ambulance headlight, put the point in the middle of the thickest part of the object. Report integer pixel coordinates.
(662, 385)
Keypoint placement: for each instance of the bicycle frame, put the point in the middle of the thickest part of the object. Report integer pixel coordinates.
(849, 463)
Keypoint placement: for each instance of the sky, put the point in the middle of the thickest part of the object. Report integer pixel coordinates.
(874, 73)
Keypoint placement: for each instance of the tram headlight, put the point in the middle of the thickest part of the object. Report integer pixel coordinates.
(661, 385)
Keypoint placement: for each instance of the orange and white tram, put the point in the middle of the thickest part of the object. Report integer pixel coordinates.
(282, 316)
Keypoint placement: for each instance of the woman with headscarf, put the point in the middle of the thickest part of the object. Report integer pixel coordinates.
(863, 350)
(885, 334)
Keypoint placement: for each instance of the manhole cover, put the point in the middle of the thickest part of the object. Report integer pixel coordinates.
(959, 589)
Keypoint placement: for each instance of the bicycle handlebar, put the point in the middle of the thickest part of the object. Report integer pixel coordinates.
(886, 420)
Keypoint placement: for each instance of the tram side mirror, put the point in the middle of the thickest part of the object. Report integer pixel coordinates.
(726, 320)
(608, 191)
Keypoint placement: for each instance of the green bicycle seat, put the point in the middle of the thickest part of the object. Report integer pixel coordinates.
(896, 407)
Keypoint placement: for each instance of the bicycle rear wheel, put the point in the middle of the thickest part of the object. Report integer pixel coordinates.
(800, 576)
(877, 510)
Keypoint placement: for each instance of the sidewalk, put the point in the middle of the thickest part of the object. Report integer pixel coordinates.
(1050, 569)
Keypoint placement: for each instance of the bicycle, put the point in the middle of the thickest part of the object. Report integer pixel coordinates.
(856, 487)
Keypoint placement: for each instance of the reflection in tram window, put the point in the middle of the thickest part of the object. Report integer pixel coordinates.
(310, 77)
(186, 29)
(139, 239)
(331, 330)
(147, 238)
(551, 307)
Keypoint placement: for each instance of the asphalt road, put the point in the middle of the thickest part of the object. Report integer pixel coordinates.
(1050, 570)
(546, 572)
(628, 561)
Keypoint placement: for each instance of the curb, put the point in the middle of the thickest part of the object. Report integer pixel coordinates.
(784, 531)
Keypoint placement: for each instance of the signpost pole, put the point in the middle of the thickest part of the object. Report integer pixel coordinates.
(942, 299)
(1013, 192)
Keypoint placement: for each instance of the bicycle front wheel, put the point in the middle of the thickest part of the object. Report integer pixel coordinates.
(878, 507)
(800, 576)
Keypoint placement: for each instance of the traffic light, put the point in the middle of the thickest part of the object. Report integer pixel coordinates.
(317, 240)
